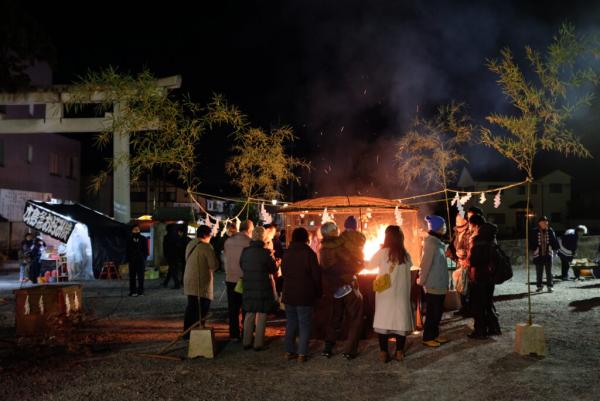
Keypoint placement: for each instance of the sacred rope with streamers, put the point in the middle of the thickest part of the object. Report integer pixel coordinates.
(464, 192)
(447, 198)
(218, 220)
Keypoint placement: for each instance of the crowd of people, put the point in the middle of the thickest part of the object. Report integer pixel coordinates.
(254, 264)
(317, 270)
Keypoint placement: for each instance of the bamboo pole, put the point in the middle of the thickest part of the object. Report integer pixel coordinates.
(530, 319)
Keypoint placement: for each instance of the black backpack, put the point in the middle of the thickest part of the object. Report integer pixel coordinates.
(500, 267)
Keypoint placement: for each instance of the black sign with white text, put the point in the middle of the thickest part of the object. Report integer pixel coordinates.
(47, 222)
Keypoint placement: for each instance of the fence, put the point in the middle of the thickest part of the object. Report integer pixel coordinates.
(515, 249)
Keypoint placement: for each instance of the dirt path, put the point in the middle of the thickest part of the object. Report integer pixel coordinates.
(464, 369)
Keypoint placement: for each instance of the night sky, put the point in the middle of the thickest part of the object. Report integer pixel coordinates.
(348, 76)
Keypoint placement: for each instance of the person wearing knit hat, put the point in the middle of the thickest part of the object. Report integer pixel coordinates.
(436, 224)
(434, 279)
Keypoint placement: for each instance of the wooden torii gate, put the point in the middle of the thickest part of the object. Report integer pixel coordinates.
(54, 98)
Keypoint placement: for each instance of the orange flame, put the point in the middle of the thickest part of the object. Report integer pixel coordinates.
(373, 244)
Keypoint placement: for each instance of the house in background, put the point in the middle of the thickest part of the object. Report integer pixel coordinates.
(40, 167)
(550, 196)
(46, 163)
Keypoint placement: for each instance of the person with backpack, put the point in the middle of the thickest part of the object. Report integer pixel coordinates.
(483, 258)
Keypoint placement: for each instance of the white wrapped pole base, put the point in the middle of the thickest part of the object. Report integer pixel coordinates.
(202, 343)
(529, 339)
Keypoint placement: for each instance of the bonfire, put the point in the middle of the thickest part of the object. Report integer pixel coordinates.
(373, 214)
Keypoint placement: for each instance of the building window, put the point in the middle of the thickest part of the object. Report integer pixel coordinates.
(497, 218)
(210, 205)
(29, 154)
(71, 167)
(1, 152)
(54, 164)
(556, 218)
(556, 188)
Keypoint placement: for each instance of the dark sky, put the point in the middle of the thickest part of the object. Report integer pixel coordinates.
(348, 76)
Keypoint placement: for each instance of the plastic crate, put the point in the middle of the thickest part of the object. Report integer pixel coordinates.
(151, 274)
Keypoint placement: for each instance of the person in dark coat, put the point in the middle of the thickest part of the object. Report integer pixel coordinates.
(480, 280)
(567, 249)
(258, 297)
(137, 252)
(35, 257)
(340, 262)
(543, 242)
(301, 288)
(24, 257)
(174, 245)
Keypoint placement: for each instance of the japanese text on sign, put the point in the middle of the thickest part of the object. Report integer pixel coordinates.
(48, 223)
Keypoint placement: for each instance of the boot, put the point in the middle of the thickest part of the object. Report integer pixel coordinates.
(384, 356)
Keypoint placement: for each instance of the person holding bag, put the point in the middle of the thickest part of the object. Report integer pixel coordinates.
(393, 310)
(198, 279)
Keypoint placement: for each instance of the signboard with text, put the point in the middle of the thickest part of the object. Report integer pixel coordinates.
(47, 222)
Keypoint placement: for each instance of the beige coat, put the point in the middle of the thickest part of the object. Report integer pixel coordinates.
(200, 263)
(233, 250)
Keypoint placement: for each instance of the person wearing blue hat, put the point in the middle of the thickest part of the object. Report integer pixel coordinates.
(434, 279)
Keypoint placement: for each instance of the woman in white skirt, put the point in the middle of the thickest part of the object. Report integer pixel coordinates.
(393, 309)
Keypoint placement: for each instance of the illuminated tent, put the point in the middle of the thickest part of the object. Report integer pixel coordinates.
(91, 238)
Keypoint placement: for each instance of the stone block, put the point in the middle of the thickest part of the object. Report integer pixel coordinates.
(202, 343)
(529, 339)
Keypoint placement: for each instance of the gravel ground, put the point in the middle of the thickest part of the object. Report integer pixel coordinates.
(463, 369)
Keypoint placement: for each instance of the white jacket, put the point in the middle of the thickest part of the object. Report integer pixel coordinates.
(393, 308)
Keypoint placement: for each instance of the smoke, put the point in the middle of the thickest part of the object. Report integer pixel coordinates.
(373, 66)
